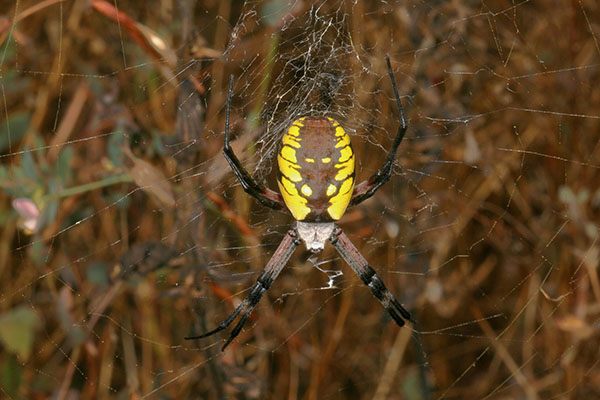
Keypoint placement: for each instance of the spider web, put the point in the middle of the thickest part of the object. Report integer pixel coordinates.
(125, 231)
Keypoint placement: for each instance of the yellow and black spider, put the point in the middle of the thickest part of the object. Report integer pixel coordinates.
(315, 173)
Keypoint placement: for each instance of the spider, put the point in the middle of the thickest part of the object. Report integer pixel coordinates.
(315, 175)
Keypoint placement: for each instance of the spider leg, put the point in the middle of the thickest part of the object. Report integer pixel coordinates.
(263, 283)
(361, 267)
(366, 189)
(266, 196)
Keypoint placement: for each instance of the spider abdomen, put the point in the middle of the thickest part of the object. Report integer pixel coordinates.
(315, 169)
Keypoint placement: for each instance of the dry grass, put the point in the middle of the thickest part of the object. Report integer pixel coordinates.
(488, 232)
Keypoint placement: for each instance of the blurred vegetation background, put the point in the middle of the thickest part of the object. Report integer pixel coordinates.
(124, 231)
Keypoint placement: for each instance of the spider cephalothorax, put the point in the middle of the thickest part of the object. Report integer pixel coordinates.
(315, 174)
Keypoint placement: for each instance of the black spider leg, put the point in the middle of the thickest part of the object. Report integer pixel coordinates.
(263, 283)
(266, 196)
(366, 189)
(361, 267)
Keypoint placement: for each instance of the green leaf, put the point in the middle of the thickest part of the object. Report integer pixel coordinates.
(17, 330)
(12, 130)
(97, 274)
(28, 165)
(63, 165)
(157, 143)
(114, 143)
(10, 375)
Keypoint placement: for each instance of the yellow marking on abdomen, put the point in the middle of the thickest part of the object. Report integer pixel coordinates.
(339, 131)
(343, 141)
(294, 202)
(309, 160)
(294, 130)
(340, 202)
(306, 190)
(331, 189)
(289, 169)
(289, 153)
(325, 160)
(345, 154)
(345, 169)
(291, 141)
